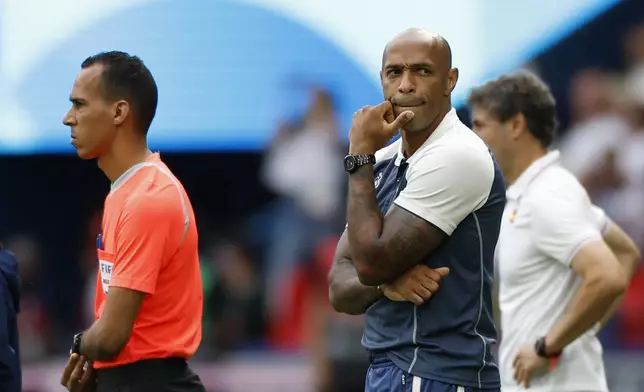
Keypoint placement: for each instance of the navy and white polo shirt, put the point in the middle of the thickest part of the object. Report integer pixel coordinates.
(454, 183)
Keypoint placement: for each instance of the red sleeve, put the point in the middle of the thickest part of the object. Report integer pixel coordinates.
(144, 237)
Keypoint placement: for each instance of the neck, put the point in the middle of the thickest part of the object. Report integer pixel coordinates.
(413, 140)
(522, 162)
(123, 155)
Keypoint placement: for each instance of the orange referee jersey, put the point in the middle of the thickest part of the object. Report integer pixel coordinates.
(149, 244)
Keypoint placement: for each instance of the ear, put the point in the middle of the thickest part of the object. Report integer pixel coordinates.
(517, 126)
(121, 111)
(452, 79)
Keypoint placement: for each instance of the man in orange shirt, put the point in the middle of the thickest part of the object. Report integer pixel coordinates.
(149, 294)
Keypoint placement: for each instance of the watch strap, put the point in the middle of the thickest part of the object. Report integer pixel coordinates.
(365, 159)
(540, 349)
(352, 162)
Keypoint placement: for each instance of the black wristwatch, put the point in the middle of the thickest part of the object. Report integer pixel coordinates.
(540, 348)
(353, 162)
(76, 345)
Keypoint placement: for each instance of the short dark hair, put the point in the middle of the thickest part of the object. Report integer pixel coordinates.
(126, 77)
(522, 92)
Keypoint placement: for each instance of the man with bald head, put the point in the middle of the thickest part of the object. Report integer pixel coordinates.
(422, 211)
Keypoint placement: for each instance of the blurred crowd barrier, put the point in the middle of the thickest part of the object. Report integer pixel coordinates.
(266, 373)
(288, 374)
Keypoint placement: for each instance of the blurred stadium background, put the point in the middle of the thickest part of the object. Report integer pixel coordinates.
(255, 101)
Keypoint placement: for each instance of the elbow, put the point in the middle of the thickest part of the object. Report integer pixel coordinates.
(635, 252)
(334, 299)
(345, 306)
(343, 301)
(339, 303)
(634, 256)
(334, 296)
(612, 285)
(618, 286)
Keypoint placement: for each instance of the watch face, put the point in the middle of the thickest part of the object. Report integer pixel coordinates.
(350, 163)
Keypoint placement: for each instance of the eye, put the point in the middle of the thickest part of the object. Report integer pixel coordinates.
(393, 72)
(424, 71)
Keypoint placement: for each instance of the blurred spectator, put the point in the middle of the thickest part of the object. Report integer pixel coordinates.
(339, 360)
(597, 130)
(634, 48)
(303, 167)
(604, 149)
(33, 323)
(233, 298)
(624, 203)
(333, 340)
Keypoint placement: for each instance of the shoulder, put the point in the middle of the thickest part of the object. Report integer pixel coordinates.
(152, 208)
(557, 197)
(558, 185)
(156, 174)
(154, 192)
(459, 153)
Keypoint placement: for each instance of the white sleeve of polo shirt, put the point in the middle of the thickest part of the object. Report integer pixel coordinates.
(563, 223)
(446, 184)
(600, 218)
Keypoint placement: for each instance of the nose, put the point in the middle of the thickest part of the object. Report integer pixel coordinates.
(69, 119)
(407, 84)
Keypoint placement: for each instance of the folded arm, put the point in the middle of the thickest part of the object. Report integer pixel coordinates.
(346, 293)
(384, 247)
(443, 186)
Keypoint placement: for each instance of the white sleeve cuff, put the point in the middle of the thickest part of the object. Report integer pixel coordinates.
(447, 227)
(580, 244)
